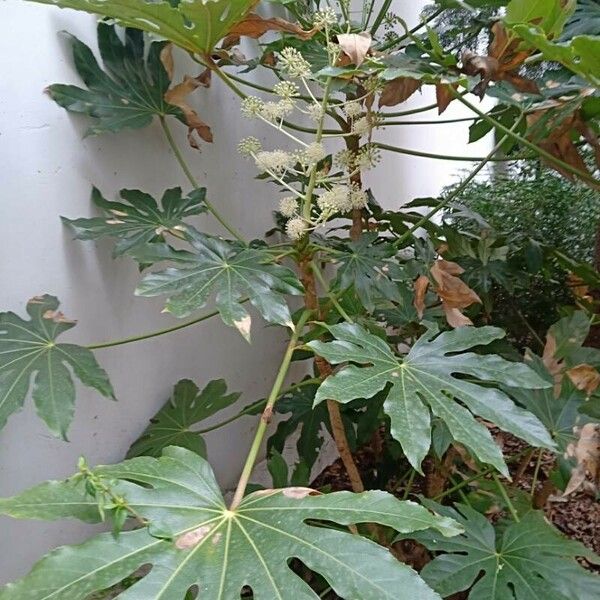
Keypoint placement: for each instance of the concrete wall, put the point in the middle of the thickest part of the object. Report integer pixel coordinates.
(46, 170)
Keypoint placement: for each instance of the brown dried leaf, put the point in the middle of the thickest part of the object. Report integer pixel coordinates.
(454, 292)
(454, 317)
(398, 90)
(355, 46)
(254, 26)
(166, 58)
(443, 95)
(57, 317)
(586, 452)
(421, 285)
(556, 138)
(177, 96)
(585, 378)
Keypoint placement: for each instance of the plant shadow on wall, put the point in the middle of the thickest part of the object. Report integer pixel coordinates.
(457, 446)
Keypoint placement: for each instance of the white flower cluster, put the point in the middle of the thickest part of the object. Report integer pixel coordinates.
(288, 206)
(293, 63)
(337, 199)
(249, 146)
(296, 228)
(352, 109)
(251, 106)
(324, 18)
(312, 154)
(362, 126)
(276, 161)
(358, 198)
(286, 89)
(315, 112)
(367, 158)
(276, 111)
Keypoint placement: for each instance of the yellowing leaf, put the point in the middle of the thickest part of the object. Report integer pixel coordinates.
(421, 285)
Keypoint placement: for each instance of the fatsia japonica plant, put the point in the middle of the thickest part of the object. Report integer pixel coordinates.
(385, 324)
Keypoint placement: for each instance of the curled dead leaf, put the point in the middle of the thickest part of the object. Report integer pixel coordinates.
(450, 288)
(453, 291)
(166, 58)
(254, 26)
(398, 90)
(421, 285)
(585, 378)
(586, 451)
(454, 317)
(355, 46)
(177, 96)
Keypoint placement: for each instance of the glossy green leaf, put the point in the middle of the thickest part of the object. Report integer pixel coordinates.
(139, 219)
(195, 25)
(425, 380)
(530, 560)
(584, 21)
(231, 272)
(559, 415)
(129, 93)
(201, 543)
(173, 424)
(549, 15)
(366, 267)
(580, 55)
(298, 403)
(30, 357)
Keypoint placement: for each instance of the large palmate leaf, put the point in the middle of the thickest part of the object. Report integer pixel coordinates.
(558, 414)
(530, 561)
(139, 219)
(201, 543)
(231, 272)
(172, 424)
(584, 21)
(298, 403)
(195, 25)
(366, 267)
(28, 349)
(425, 381)
(128, 94)
(579, 55)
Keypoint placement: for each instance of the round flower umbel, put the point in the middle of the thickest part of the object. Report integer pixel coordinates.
(294, 64)
(249, 146)
(288, 206)
(286, 89)
(276, 161)
(296, 228)
(325, 18)
(313, 154)
(337, 199)
(353, 109)
(276, 111)
(252, 106)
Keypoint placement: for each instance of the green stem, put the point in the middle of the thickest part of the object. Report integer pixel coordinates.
(412, 111)
(327, 291)
(409, 485)
(185, 168)
(259, 404)
(459, 190)
(412, 31)
(459, 158)
(267, 412)
(313, 174)
(525, 142)
(506, 498)
(536, 472)
(146, 336)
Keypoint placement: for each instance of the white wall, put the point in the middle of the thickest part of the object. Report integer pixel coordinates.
(46, 170)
